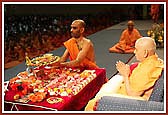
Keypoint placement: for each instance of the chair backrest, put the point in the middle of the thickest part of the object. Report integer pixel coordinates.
(158, 91)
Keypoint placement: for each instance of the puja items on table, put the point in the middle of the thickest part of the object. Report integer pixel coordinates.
(43, 60)
(45, 82)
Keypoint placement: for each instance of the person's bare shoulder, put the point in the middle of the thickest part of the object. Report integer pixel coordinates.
(88, 41)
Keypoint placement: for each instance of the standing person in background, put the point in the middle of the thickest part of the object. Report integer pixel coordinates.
(127, 40)
(79, 49)
(155, 9)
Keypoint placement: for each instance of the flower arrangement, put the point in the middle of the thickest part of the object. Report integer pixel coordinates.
(157, 32)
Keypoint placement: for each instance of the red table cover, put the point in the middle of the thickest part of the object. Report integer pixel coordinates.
(76, 102)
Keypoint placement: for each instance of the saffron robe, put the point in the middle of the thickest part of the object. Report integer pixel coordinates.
(88, 61)
(127, 42)
(142, 78)
(155, 12)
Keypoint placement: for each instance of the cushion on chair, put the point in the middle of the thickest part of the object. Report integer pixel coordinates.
(155, 102)
(109, 103)
(158, 90)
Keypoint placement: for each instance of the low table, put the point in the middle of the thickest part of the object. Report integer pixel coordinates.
(76, 102)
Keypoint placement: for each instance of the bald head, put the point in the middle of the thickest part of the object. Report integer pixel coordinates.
(130, 23)
(147, 43)
(79, 22)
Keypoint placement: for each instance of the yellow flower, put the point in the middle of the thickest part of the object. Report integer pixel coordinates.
(55, 89)
(149, 32)
(61, 90)
(160, 39)
(156, 32)
(69, 90)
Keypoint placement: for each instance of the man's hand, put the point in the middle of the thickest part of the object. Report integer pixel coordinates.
(55, 65)
(123, 68)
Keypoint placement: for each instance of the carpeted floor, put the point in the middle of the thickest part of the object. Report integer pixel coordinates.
(102, 41)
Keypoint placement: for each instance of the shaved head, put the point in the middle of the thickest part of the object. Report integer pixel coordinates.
(130, 23)
(77, 28)
(144, 47)
(147, 43)
(79, 22)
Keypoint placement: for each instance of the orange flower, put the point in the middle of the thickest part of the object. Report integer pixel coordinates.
(17, 96)
(37, 97)
(24, 74)
(24, 92)
(33, 98)
(12, 80)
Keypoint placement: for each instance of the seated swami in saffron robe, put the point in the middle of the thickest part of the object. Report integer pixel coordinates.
(89, 59)
(135, 84)
(79, 49)
(127, 40)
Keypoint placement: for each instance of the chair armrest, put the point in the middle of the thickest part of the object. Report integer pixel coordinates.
(109, 103)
